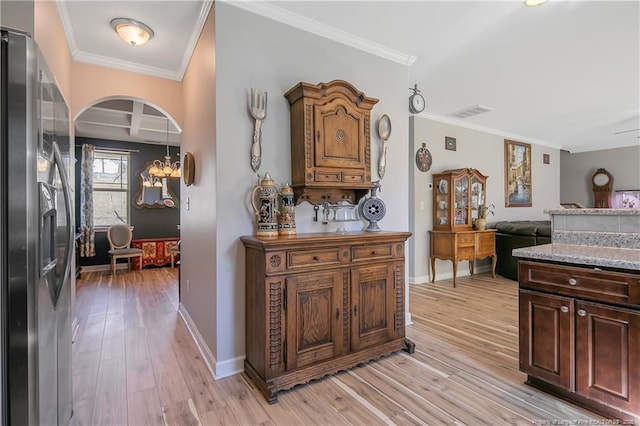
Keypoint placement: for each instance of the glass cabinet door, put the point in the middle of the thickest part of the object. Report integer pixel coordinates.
(461, 200)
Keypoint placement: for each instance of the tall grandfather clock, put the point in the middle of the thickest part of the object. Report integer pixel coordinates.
(602, 184)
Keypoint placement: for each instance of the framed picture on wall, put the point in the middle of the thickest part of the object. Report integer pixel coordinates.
(517, 174)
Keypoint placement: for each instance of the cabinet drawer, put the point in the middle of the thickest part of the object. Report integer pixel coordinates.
(371, 252)
(466, 240)
(486, 243)
(297, 259)
(348, 177)
(325, 176)
(593, 284)
(466, 253)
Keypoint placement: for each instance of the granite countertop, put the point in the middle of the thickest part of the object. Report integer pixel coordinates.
(595, 212)
(583, 255)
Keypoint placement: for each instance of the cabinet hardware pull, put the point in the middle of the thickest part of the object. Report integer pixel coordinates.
(373, 252)
(316, 258)
(564, 309)
(318, 135)
(337, 314)
(573, 281)
(355, 310)
(582, 312)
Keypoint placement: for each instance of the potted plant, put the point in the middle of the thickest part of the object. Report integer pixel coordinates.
(483, 211)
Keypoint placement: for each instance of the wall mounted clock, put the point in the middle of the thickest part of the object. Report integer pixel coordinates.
(416, 101)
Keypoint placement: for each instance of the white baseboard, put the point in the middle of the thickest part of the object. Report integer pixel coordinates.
(104, 267)
(407, 318)
(217, 369)
(462, 272)
(422, 279)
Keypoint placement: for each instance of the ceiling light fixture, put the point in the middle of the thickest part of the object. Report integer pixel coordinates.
(131, 31)
(167, 168)
(534, 2)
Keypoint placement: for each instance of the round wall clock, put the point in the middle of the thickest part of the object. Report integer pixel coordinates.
(416, 101)
(423, 158)
(188, 169)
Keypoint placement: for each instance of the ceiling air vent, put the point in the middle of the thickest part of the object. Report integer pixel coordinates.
(471, 111)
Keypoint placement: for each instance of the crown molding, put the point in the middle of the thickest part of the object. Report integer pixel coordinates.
(195, 36)
(63, 14)
(490, 130)
(108, 62)
(276, 13)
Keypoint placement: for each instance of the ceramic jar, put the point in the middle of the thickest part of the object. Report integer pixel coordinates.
(287, 219)
(263, 200)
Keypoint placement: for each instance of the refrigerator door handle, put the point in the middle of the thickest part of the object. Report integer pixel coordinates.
(62, 170)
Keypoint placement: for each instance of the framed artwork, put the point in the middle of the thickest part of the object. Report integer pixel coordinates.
(517, 174)
(545, 158)
(449, 143)
(423, 158)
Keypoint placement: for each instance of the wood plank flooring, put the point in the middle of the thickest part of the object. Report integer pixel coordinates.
(135, 363)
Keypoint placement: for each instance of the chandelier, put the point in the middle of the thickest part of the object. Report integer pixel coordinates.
(165, 169)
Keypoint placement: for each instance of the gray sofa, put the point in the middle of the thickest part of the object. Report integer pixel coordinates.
(516, 234)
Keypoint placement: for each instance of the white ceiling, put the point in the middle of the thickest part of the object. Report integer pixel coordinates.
(565, 74)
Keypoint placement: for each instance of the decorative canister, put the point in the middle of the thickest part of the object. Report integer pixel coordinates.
(263, 200)
(287, 223)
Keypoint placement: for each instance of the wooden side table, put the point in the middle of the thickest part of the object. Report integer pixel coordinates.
(463, 245)
(155, 251)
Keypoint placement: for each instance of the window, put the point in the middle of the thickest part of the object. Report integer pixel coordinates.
(110, 188)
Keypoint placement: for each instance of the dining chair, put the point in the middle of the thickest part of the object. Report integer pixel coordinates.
(119, 237)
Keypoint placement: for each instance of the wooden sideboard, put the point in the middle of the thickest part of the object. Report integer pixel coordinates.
(316, 304)
(463, 245)
(155, 251)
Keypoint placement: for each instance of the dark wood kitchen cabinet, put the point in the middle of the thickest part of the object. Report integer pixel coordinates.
(330, 142)
(320, 303)
(580, 335)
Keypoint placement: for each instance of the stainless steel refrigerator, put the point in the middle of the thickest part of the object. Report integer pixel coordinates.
(36, 239)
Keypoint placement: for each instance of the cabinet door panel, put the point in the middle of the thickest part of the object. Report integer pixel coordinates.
(546, 337)
(339, 135)
(374, 305)
(314, 318)
(608, 350)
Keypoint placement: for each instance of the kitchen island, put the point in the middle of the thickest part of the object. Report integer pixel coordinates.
(579, 311)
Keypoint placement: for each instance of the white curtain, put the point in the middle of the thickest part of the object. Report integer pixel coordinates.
(87, 241)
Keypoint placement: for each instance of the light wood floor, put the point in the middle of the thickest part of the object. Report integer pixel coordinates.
(135, 363)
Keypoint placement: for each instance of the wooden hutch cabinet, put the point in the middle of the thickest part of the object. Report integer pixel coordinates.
(320, 303)
(330, 142)
(579, 329)
(457, 197)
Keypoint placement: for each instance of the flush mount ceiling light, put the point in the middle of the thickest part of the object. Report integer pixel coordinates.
(131, 31)
(534, 2)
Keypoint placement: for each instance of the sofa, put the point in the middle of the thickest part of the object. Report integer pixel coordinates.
(515, 234)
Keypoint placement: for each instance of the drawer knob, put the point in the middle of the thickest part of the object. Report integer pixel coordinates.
(564, 309)
(582, 312)
(373, 252)
(573, 281)
(316, 258)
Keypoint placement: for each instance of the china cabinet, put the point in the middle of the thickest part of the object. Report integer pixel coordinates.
(320, 303)
(330, 142)
(458, 196)
(578, 335)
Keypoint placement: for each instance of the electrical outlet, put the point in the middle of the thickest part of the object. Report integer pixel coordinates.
(429, 186)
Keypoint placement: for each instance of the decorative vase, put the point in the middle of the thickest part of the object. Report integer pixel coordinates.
(263, 200)
(287, 220)
(481, 224)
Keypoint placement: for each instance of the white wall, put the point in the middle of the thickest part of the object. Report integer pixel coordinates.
(577, 170)
(481, 151)
(252, 51)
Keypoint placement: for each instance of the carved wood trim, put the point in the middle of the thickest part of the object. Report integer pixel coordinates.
(399, 287)
(275, 325)
(346, 310)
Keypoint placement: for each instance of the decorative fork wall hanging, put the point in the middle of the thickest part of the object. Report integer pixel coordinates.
(258, 110)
